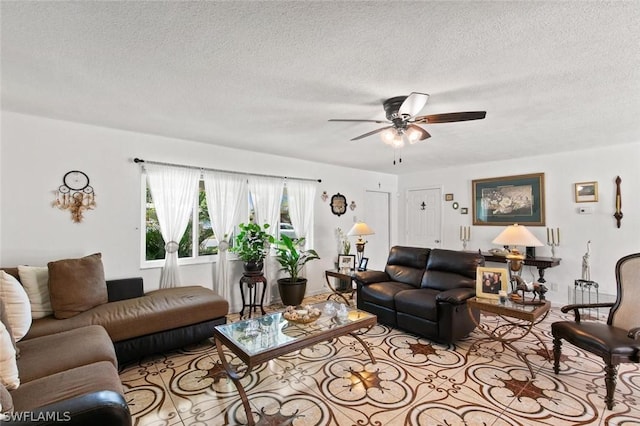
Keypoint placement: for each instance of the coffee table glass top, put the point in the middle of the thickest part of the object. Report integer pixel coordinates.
(272, 331)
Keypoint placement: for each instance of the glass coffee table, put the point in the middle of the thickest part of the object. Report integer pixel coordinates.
(255, 341)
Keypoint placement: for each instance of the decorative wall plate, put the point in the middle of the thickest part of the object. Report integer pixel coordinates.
(338, 204)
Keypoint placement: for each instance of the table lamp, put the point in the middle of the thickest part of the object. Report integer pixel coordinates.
(360, 229)
(516, 235)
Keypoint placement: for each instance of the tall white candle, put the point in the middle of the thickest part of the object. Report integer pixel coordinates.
(558, 239)
(548, 238)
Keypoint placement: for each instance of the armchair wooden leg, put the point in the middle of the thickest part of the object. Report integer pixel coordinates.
(557, 351)
(611, 374)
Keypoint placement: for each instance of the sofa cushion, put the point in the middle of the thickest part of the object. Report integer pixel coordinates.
(35, 280)
(73, 348)
(407, 264)
(16, 302)
(383, 293)
(67, 384)
(158, 310)
(448, 269)
(419, 303)
(76, 285)
(6, 402)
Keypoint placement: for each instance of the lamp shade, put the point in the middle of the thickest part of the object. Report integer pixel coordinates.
(360, 228)
(517, 235)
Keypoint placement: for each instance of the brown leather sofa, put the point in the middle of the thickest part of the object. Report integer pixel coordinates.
(423, 291)
(68, 367)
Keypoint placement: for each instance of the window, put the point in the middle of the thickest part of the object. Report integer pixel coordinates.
(203, 239)
(285, 226)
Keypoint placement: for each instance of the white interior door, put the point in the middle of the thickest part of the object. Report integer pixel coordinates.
(377, 205)
(424, 207)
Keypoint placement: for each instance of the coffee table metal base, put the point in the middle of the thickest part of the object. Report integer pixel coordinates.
(512, 330)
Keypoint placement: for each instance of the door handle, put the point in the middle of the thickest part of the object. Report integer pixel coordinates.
(436, 241)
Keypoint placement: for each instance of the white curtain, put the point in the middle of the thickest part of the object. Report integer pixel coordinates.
(266, 194)
(173, 190)
(301, 195)
(226, 193)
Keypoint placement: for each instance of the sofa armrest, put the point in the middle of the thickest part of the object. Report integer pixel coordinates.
(456, 296)
(126, 288)
(370, 277)
(104, 408)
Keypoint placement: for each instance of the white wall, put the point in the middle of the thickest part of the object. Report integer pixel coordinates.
(36, 152)
(561, 172)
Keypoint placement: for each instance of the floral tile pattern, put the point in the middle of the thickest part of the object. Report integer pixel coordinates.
(414, 382)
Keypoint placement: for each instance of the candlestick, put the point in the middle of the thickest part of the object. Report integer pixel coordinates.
(553, 240)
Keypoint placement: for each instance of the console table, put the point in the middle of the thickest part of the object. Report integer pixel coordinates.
(541, 263)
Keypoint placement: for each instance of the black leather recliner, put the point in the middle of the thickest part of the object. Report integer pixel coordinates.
(423, 291)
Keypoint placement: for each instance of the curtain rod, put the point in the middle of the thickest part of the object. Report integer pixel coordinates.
(140, 160)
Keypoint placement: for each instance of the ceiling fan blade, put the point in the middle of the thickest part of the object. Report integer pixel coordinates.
(413, 104)
(451, 117)
(423, 133)
(358, 121)
(373, 132)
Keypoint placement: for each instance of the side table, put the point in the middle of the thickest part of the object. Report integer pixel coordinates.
(519, 321)
(251, 279)
(341, 276)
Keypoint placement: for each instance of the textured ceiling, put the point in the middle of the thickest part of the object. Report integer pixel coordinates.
(266, 76)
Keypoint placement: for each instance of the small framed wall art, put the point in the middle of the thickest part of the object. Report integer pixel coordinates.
(586, 192)
(490, 281)
(448, 197)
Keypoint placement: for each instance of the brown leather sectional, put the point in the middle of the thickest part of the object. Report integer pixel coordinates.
(70, 366)
(423, 291)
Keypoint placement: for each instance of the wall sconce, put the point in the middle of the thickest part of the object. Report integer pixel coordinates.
(75, 194)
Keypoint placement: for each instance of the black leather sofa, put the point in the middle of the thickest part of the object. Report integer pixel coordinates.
(423, 291)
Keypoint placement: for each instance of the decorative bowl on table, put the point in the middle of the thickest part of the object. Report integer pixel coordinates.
(301, 314)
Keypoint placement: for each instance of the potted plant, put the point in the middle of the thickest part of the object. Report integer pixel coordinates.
(251, 245)
(292, 259)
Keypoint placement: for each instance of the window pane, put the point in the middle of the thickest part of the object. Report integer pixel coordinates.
(153, 238)
(154, 241)
(207, 242)
(285, 220)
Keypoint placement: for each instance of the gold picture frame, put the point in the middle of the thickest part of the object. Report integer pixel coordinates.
(489, 282)
(586, 192)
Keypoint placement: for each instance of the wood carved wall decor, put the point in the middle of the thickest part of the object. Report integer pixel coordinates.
(618, 214)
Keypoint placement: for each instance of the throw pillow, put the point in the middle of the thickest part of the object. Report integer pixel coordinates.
(16, 302)
(35, 280)
(5, 320)
(76, 285)
(8, 365)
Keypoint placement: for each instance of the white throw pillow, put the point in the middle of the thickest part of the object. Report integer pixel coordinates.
(35, 280)
(16, 303)
(8, 365)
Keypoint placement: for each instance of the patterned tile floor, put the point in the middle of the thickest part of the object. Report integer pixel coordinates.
(414, 382)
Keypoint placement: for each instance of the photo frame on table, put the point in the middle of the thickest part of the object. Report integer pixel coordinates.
(346, 261)
(506, 200)
(363, 264)
(489, 282)
(586, 192)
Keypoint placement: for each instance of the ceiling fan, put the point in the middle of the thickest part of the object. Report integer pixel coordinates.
(401, 115)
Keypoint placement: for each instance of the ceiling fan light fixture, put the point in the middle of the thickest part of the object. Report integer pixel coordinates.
(388, 136)
(398, 141)
(413, 135)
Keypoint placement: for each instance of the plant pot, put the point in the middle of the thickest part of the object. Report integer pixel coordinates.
(253, 267)
(292, 293)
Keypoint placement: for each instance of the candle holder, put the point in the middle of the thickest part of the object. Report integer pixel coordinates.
(465, 236)
(553, 240)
